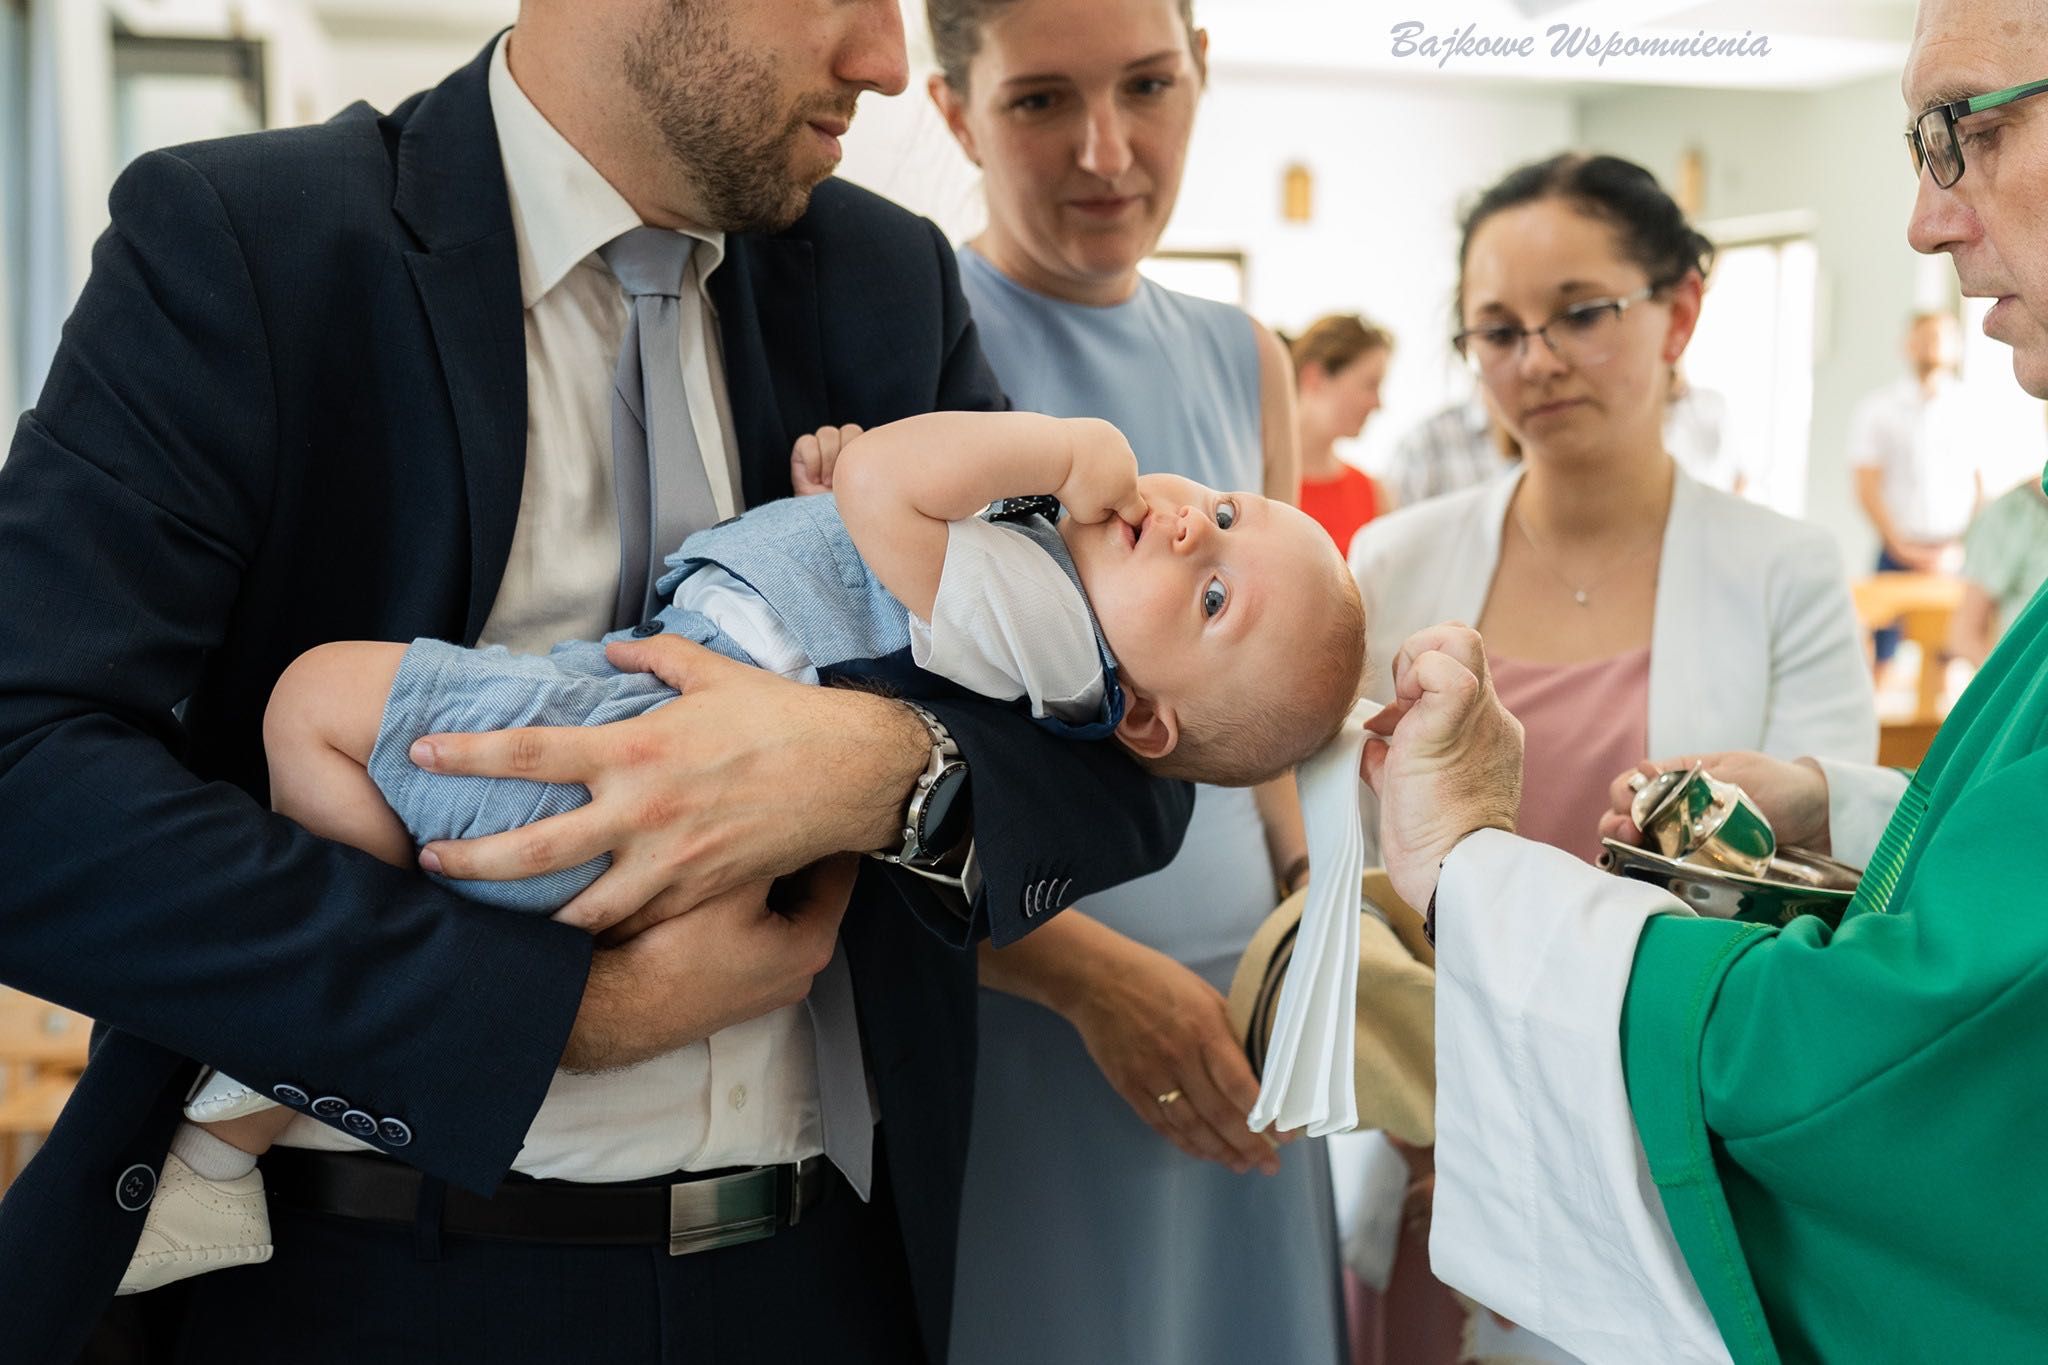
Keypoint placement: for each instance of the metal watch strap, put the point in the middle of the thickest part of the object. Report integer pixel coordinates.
(944, 753)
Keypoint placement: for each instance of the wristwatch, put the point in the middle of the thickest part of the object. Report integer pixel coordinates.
(934, 822)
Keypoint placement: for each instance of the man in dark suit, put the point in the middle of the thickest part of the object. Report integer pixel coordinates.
(305, 397)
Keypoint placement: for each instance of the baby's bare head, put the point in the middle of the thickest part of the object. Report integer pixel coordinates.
(1292, 676)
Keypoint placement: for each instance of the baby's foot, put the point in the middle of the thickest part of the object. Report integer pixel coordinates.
(196, 1225)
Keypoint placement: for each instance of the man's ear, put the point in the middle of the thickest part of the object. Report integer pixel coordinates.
(952, 107)
(1149, 728)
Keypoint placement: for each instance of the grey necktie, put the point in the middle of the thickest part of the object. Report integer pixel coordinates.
(664, 494)
(662, 490)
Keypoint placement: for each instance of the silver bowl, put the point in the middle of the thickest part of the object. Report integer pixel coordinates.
(1797, 882)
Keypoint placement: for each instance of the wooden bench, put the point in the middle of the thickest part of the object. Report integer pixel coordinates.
(1921, 606)
(43, 1047)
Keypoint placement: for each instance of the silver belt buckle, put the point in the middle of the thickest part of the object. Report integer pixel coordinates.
(723, 1211)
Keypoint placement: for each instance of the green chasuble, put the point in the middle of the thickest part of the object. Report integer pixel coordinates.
(1849, 1130)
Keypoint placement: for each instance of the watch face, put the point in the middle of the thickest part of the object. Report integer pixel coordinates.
(935, 831)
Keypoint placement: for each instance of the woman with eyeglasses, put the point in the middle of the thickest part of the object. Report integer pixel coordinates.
(1626, 609)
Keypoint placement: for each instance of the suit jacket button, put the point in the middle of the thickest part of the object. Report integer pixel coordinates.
(135, 1188)
(330, 1107)
(287, 1093)
(394, 1132)
(359, 1123)
(645, 629)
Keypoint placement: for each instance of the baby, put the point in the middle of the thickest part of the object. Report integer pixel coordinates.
(1218, 637)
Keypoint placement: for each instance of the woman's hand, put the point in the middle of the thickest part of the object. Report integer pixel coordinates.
(1792, 796)
(1445, 757)
(815, 457)
(693, 799)
(1155, 1028)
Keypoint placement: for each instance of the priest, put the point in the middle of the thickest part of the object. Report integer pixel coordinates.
(1677, 1139)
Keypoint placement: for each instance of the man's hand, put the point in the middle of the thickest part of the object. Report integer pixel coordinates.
(745, 777)
(1916, 558)
(1102, 474)
(730, 959)
(1445, 757)
(815, 457)
(1792, 796)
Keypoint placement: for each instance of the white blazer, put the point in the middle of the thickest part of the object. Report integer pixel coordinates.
(1544, 1208)
(1755, 645)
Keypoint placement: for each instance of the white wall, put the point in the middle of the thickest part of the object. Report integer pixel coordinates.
(1836, 155)
(13, 169)
(384, 65)
(1391, 161)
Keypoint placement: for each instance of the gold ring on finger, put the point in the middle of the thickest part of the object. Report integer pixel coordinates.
(1169, 1097)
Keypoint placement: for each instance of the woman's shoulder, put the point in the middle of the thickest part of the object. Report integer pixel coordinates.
(1231, 327)
(1738, 525)
(1440, 522)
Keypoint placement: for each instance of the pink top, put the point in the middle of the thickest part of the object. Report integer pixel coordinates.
(1583, 724)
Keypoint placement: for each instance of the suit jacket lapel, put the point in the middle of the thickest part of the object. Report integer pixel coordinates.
(767, 287)
(451, 194)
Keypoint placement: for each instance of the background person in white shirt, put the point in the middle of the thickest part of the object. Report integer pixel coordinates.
(1911, 445)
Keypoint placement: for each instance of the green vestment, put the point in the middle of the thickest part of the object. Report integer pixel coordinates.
(1849, 1129)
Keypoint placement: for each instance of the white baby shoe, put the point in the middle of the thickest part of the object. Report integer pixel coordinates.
(196, 1225)
(224, 1097)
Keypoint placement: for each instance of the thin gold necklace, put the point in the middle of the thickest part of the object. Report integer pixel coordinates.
(1581, 593)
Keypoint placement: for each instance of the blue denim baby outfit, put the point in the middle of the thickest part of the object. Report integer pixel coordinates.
(795, 553)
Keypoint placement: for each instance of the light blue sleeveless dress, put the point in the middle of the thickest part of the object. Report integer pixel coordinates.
(1085, 1237)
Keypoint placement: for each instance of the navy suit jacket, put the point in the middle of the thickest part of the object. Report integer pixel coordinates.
(290, 407)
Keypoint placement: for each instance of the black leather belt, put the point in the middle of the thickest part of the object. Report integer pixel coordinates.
(696, 1211)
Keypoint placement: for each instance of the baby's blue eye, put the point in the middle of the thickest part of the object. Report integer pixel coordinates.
(1226, 515)
(1212, 597)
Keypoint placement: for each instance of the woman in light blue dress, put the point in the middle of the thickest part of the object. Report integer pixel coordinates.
(1117, 1209)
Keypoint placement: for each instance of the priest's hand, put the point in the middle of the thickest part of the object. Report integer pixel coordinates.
(1444, 758)
(1792, 796)
(693, 799)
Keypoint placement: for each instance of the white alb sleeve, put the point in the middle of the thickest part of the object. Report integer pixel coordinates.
(1860, 804)
(1544, 1206)
(1007, 622)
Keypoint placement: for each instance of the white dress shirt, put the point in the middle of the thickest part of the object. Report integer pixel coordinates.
(1928, 446)
(1544, 1206)
(749, 1094)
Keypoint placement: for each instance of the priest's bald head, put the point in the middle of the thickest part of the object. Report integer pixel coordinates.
(1976, 88)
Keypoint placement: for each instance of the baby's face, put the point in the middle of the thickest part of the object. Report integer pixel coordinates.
(1212, 594)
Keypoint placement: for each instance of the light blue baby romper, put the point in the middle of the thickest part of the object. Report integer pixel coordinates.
(794, 553)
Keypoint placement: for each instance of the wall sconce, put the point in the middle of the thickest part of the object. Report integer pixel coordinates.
(1691, 190)
(1297, 193)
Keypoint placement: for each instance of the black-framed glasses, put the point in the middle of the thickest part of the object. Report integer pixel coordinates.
(1586, 333)
(1932, 139)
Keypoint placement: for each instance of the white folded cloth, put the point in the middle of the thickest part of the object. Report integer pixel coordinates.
(1309, 1063)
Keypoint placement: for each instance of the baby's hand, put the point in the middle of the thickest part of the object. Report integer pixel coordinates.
(812, 462)
(1102, 476)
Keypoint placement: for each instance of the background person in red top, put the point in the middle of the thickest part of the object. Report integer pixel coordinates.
(1339, 362)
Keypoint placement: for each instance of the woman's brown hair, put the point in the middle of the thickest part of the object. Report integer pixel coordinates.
(1335, 341)
(956, 25)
